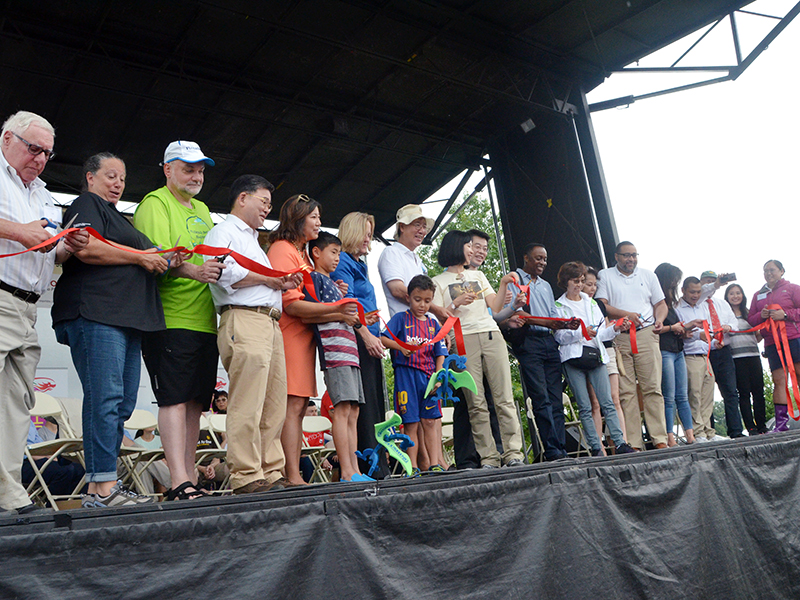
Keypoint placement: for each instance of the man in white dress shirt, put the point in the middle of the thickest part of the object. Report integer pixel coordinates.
(250, 342)
(27, 213)
(628, 291)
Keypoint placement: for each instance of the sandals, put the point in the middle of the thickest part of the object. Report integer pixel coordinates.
(181, 493)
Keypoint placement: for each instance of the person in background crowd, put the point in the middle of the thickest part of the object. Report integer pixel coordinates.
(778, 291)
(219, 402)
(469, 296)
(674, 381)
(355, 231)
(182, 357)
(590, 288)
(299, 223)
(747, 358)
(102, 306)
(631, 292)
(584, 360)
(537, 351)
(25, 207)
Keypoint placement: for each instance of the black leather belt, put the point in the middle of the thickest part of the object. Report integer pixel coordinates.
(265, 310)
(22, 294)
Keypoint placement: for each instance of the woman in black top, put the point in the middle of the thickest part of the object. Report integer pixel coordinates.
(674, 379)
(101, 305)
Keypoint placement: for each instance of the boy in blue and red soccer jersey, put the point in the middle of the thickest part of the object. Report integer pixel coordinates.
(412, 371)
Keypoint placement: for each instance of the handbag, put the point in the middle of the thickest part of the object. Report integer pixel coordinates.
(590, 359)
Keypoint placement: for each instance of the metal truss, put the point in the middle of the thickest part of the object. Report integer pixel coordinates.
(732, 72)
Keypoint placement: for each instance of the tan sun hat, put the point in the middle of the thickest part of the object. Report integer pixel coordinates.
(410, 213)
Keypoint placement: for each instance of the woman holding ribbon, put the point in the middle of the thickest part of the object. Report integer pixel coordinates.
(674, 378)
(101, 305)
(355, 231)
(747, 359)
(299, 223)
(779, 302)
(468, 295)
(584, 360)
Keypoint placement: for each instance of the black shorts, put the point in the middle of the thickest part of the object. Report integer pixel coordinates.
(182, 365)
(771, 353)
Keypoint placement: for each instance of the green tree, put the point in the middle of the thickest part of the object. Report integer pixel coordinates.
(477, 214)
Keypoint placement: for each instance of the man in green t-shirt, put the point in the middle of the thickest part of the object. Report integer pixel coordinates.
(182, 359)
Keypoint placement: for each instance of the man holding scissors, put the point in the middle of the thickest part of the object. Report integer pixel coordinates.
(182, 359)
(26, 212)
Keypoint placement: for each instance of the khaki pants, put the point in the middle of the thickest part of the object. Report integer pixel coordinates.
(19, 355)
(701, 395)
(487, 355)
(644, 368)
(251, 348)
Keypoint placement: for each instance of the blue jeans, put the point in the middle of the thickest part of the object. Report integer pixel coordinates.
(675, 389)
(598, 377)
(108, 361)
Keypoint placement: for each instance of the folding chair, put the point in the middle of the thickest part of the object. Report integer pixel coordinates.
(572, 422)
(536, 439)
(66, 445)
(447, 434)
(137, 459)
(214, 425)
(317, 454)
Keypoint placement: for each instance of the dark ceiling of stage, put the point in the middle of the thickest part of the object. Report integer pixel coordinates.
(362, 105)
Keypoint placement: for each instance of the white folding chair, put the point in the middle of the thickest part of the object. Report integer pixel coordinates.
(137, 459)
(66, 445)
(317, 454)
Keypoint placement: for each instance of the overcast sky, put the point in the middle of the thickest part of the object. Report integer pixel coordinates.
(705, 178)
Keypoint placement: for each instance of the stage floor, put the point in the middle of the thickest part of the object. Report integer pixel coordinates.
(704, 521)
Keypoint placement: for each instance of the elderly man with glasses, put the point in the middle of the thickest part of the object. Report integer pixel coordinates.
(28, 217)
(628, 291)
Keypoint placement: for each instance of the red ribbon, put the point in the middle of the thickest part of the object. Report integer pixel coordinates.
(631, 332)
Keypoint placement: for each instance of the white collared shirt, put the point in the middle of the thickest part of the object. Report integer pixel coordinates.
(686, 312)
(244, 240)
(637, 292)
(31, 271)
(398, 263)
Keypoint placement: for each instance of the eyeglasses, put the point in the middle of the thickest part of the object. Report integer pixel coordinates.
(264, 200)
(627, 255)
(34, 149)
(420, 226)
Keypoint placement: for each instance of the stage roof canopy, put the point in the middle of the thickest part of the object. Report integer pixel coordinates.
(362, 105)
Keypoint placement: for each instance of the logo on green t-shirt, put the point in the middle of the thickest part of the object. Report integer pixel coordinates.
(197, 229)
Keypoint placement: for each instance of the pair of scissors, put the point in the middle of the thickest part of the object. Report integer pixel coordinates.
(221, 258)
(56, 226)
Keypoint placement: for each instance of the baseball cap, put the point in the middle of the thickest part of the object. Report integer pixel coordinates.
(410, 213)
(188, 152)
(708, 274)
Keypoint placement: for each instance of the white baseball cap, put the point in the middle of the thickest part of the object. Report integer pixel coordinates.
(188, 152)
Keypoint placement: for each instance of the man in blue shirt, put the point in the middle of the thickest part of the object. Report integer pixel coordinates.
(537, 351)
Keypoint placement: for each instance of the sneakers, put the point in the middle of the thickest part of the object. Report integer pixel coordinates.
(625, 448)
(415, 472)
(361, 477)
(489, 466)
(515, 462)
(598, 452)
(436, 469)
(120, 496)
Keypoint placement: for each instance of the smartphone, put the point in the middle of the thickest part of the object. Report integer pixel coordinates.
(727, 278)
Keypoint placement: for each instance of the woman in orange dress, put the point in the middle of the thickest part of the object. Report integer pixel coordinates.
(299, 223)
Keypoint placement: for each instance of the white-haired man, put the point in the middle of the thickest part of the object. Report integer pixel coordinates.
(27, 216)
